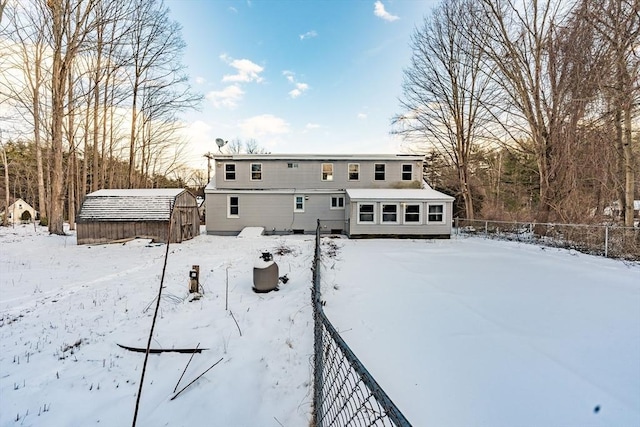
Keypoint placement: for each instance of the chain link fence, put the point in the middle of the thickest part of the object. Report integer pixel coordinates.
(604, 240)
(345, 393)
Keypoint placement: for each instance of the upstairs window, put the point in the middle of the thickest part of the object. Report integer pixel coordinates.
(337, 202)
(292, 165)
(256, 171)
(327, 171)
(411, 214)
(229, 171)
(436, 213)
(354, 171)
(298, 204)
(366, 213)
(389, 213)
(407, 172)
(379, 171)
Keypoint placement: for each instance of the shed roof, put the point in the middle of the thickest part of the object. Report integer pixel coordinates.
(153, 204)
(397, 194)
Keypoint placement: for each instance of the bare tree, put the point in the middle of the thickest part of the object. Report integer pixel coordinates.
(445, 90)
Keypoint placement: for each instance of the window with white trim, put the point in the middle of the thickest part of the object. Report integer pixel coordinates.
(298, 203)
(389, 213)
(435, 213)
(407, 172)
(412, 213)
(337, 202)
(327, 171)
(229, 171)
(379, 171)
(233, 207)
(256, 171)
(366, 213)
(354, 171)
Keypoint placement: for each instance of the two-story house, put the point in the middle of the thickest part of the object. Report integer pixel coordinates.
(358, 195)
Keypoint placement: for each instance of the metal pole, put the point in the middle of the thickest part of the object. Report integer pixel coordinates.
(606, 241)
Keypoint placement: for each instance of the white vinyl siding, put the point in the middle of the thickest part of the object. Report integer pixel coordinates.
(256, 171)
(407, 172)
(366, 213)
(389, 213)
(298, 203)
(412, 214)
(327, 171)
(233, 207)
(354, 171)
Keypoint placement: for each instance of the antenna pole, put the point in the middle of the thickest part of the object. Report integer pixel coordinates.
(209, 156)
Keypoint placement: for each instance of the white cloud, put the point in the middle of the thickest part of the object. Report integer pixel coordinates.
(311, 126)
(308, 35)
(362, 116)
(232, 9)
(263, 125)
(380, 12)
(300, 87)
(247, 71)
(200, 80)
(227, 97)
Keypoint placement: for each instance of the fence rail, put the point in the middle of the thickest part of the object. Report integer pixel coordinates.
(605, 240)
(344, 392)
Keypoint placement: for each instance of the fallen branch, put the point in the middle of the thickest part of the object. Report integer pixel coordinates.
(234, 319)
(185, 368)
(196, 379)
(163, 350)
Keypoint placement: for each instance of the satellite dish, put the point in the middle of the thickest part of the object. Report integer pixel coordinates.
(220, 143)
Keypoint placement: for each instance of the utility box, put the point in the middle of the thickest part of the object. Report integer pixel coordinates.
(194, 279)
(265, 274)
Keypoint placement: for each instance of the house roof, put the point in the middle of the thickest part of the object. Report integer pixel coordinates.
(153, 204)
(302, 157)
(397, 194)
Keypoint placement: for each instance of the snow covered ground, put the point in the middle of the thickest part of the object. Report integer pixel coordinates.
(463, 332)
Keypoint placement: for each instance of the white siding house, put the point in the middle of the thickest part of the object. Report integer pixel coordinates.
(20, 211)
(358, 195)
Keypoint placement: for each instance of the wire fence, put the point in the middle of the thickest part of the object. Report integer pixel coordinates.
(604, 240)
(345, 393)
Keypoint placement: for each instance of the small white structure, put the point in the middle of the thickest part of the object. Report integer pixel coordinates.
(19, 212)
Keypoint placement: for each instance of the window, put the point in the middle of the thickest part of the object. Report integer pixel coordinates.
(229, 171)
(354, 171)
(233, 207)
(298, 203)
(256, 171)
(292, 165)
(436, 213)
(389, 213)
(366, 213)
(412, 214)
(327, 171)
(337, 202)
(407, 172)
(379, 169)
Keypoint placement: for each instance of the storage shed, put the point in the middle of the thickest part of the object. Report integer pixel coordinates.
(113, 215)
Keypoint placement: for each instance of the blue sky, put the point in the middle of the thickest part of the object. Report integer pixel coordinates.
(297, 76)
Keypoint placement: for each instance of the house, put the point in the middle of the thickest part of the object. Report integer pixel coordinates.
(357, 195)
(116, 215)
(20, 211)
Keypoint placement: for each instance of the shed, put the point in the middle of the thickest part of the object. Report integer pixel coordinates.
(20, 211)
(112, 215)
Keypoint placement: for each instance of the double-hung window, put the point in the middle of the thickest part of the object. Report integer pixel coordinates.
(354, 171)
(229, 171)
(298, 203)
(366, 213)
(337, 202)
(407, 172)
(389, 213)
(233, 207)
(256, 171)
(379, 171)
(412, 214)
(327, 171)
(435, 213)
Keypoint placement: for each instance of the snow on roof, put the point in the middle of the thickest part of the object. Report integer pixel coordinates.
(301, 157)
(154, 204)
(396, 194)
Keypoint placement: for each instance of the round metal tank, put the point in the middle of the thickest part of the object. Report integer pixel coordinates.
(265, 274)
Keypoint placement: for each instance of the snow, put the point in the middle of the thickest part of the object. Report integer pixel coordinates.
(459, 332)
(251, 232)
